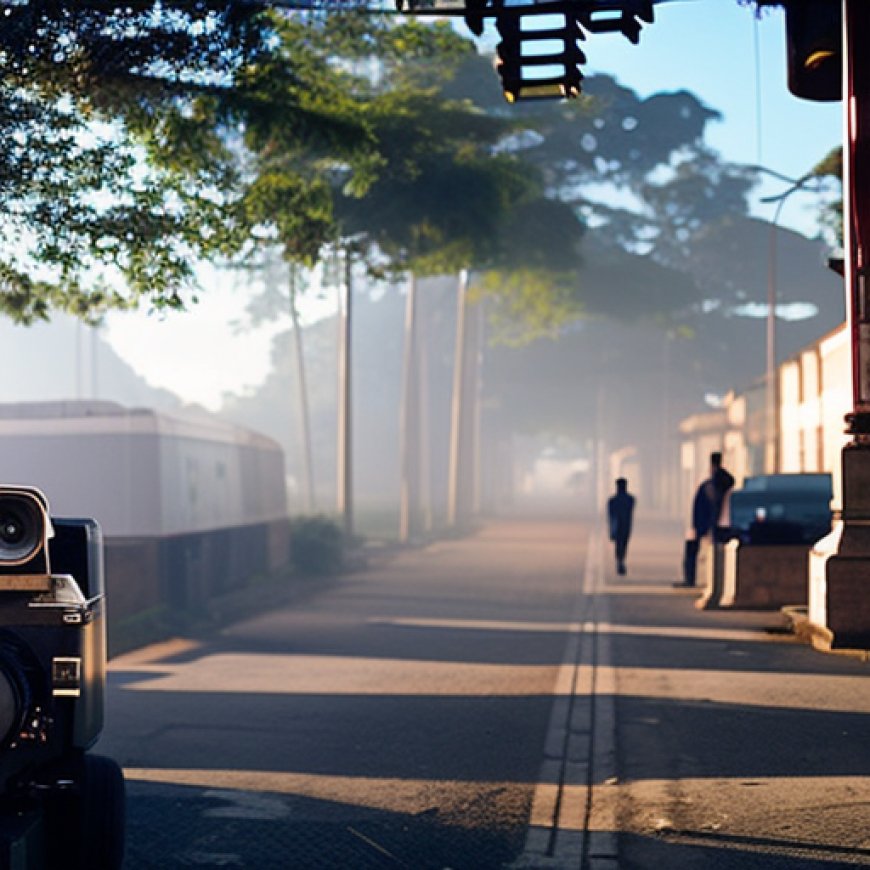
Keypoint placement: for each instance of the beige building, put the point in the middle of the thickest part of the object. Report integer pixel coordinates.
(813, 397)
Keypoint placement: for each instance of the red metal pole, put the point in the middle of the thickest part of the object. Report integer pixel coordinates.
(856, 213)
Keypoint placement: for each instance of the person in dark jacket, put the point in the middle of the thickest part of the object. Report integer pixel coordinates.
(721, 482)
(620, 508)
(706, 513)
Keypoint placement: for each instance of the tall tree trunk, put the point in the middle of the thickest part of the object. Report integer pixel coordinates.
(457, 413)
(475, 382)
(304, 416)
(424, 439)
(408, 422)
(344, 468)
(80, 375)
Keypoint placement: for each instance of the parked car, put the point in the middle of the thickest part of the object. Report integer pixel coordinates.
(782, 508)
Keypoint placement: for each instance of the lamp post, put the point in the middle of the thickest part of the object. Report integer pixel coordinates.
(772, 452)
(771, 379)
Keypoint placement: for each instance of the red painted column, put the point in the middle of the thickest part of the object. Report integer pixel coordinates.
(839, 582)
(856, 187)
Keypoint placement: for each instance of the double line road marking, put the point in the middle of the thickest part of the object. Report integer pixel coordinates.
(570, 825)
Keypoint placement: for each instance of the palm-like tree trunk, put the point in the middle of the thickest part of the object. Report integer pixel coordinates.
(304, 417)
(408, 418)
(344, 470)
(457, 411)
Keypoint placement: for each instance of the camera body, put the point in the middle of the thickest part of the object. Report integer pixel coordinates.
(52, 637)
(60, 807)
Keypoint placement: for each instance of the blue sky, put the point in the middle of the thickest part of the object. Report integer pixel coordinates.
(709, 47)
(706, 46)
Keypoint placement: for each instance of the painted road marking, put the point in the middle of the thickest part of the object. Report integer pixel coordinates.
(572, 820)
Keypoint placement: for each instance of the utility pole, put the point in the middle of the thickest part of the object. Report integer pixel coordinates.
(408, 445)
(302, 396)
(344, 471)
(771, 465)
(457, 424)
(840, 563)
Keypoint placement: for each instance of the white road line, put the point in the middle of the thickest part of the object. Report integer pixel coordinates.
(574, 811)
(602, 819)
(555, 836)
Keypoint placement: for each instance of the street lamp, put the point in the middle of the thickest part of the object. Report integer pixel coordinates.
(771, 381)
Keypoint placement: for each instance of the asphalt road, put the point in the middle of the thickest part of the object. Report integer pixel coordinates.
(394, 719)
(738, 748)
(503, 701)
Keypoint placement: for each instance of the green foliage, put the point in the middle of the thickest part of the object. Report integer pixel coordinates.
(317, 545)
(638, 171)
(533, 284)
(446, 195)
(527, 304)
(830, 168)
(88, 92)
(438, 202)
(831, 165)
(434, 191)
(141, 139)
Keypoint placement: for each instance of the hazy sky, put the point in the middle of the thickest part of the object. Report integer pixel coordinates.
(715, 48)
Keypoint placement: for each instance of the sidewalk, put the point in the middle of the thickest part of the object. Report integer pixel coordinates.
(735, 745)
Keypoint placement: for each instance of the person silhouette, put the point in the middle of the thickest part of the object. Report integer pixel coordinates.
(620, 508)
(707, 508)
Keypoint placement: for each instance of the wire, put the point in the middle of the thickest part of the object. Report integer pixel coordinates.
(759, 119)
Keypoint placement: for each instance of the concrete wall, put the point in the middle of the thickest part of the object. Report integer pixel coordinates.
(184, 571)
(765, 577)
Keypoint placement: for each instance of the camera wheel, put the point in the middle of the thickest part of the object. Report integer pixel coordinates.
(85, 824)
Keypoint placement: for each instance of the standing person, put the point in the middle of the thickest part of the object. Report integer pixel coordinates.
(707, 508)
(722, 481)
(620, 508)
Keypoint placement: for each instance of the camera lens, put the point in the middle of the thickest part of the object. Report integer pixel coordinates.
(10, 708)
(20, 528)
(12, 531)
(16, 695)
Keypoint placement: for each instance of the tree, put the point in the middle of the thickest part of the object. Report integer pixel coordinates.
(441, 197)
(830, 170)
(123, 130)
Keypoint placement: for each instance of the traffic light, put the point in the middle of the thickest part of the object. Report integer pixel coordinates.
(538, 62)
(814, 35)
(616, 16)
(539, 55)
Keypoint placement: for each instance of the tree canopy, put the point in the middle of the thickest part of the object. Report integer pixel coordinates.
(141, 139)
(125, 136)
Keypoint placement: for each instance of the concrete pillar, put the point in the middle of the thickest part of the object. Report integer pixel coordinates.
(711, 573)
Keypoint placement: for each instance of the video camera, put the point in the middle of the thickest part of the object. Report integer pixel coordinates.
(64, 807)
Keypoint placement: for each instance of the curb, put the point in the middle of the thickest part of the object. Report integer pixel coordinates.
(819, 637)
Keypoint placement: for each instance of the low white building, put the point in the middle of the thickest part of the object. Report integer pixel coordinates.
(190, 506)
(140, 472)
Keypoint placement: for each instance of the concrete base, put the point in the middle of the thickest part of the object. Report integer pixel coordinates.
(710, 575)
(839, 603)
(848, 603)
(765, 577)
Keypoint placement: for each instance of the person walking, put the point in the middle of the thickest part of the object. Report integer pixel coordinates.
(620, 508)
(707, 508)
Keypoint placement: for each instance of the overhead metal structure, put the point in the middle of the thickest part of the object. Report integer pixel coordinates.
(539, 56)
